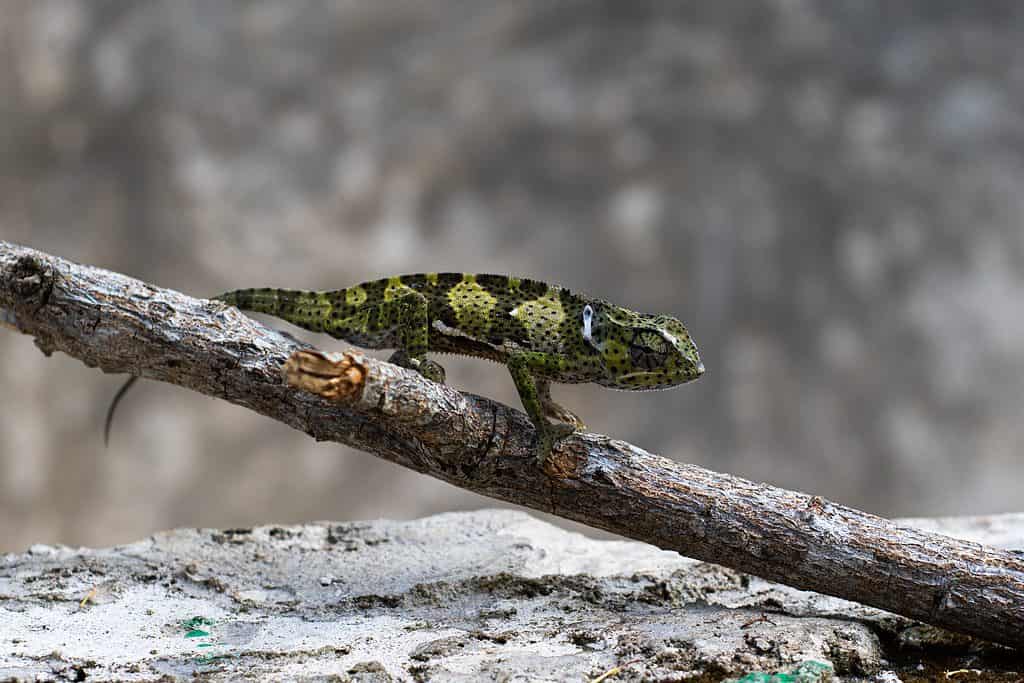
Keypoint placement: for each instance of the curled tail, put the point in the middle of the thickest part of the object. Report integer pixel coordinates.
(306, 309)
(113, 406)
(310, 310)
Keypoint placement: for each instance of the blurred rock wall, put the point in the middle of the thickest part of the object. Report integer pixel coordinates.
(828, 193)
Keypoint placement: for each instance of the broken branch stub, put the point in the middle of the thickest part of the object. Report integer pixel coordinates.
(336, 379)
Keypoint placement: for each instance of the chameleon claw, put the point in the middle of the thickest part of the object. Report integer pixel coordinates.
(552, 410)
(563, 415)
(431, 370)
(548, 437)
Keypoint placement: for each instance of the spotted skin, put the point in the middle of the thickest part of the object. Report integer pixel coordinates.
(542, 332)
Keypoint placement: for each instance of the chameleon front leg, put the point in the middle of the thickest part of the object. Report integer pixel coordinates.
(553, 410)
(410, 312)
(536, 398)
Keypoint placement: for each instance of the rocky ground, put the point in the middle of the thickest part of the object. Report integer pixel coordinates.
(490, 595)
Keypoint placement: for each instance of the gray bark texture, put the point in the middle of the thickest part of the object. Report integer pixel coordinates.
(123, 325)
(489, 595)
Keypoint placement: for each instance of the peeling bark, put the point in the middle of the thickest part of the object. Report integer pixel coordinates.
(120, 324)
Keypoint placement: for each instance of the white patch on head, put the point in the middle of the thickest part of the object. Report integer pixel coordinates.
(588, 320)
(670, 338)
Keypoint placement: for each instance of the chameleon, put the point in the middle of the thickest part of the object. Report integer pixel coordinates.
(542, 332)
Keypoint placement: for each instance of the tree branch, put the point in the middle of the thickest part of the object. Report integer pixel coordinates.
(120, 324)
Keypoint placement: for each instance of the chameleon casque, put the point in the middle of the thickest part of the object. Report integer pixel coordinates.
(543, 333)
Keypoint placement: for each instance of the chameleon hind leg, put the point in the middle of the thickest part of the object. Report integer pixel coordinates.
(426, 367)
(400, 321)
(408, 315)
(536, 397)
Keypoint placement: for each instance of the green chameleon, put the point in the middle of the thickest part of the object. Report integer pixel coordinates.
(542, 332)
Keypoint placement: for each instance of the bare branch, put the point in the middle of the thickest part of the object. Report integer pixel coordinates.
(123, 325)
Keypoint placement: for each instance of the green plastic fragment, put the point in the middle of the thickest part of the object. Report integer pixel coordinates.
(762, 678)
(808, 672)
(197, 633)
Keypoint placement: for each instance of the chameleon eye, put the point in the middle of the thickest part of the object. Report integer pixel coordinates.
(654, 342)
(588, 324)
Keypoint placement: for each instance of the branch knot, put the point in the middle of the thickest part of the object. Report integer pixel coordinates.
(31, 280)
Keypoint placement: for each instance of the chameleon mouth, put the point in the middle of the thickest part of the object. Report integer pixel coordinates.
(641, 379)
(630, 376)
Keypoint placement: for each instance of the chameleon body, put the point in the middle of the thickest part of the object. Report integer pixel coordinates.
(542, 332)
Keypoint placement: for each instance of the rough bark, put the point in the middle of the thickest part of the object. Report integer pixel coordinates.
(123, 325)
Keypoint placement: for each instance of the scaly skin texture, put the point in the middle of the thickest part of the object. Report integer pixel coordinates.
(542, 332)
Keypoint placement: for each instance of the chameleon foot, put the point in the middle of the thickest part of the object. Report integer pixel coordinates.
(557, 412)
(552, 410)
(548, 436)
(426, 367)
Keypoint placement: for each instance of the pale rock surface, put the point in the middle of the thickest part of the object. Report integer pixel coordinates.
(489, 595)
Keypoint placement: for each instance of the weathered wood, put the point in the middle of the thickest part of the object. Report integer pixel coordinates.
(123, 325)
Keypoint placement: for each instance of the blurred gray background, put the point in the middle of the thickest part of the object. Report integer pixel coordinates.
(828, 193)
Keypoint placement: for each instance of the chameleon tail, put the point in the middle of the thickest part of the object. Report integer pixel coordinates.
(270, 301)
(306, 309)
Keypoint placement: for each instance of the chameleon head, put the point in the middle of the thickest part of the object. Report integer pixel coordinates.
(639, 352)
